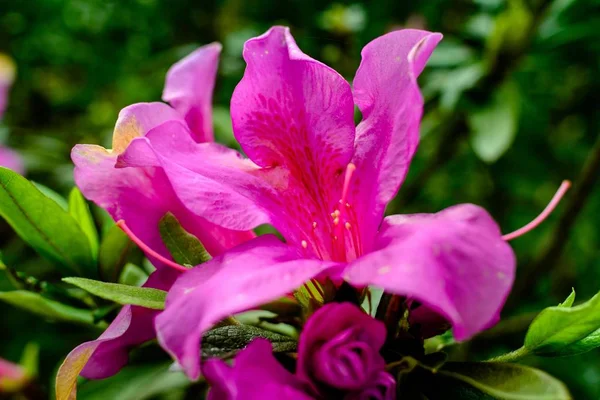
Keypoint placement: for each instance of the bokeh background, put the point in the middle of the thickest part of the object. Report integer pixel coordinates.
(511, 110)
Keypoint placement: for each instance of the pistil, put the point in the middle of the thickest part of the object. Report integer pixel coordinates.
(543, 215)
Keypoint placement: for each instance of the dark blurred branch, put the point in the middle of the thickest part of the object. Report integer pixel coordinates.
(547, 261)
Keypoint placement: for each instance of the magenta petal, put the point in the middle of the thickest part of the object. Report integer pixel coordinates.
(255, 375)
(339, 347)
(387, 93)
(245, 277)
(290, 109)
(208, 179)
(293, 112)
(142, 196)
(189, 87)
(454, 262)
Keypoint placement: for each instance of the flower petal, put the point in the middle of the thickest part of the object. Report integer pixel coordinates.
(189, 88)
(142, 196)
(455, 262)
(137, 119)
(256, 374)
(105, 356)
(12, 160)
(330, 325)
(209, 180)
(387, 94)
(245, 277)
(293, 112)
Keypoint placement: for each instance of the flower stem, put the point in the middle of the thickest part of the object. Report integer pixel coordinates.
(512, 356)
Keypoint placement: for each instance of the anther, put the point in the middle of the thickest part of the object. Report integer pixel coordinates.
(314, 225)
(348, 226)
(336, 220)
(544, 214)
(304, 244)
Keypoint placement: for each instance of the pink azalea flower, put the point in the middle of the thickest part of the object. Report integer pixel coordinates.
(8, 158)
(324, 184)
(338, 358)
(141, 197)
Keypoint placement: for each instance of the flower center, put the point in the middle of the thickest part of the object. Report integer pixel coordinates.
(342, 228)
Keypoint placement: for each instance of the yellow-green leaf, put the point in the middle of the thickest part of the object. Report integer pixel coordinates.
(185, 248)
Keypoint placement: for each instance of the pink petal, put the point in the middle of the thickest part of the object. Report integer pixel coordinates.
(293, 112)
(142, 196)
(455, 262)
(10, 371)
(245, 277)
(208, 179)
(386, 91)
(12, 160)
(189, 87)
(137, 119)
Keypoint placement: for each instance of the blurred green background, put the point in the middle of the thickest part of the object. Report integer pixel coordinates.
(511, 110)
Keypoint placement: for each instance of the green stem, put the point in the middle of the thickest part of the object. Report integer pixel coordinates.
(512, 356)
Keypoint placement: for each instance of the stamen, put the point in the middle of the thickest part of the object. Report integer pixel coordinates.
(349, 172)
(544, 214)
(121, 224)
(317, 286)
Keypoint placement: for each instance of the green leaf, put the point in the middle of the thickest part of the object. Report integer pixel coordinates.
(185, 248)
(42, 223)
(493, 381)
(225, 341)
(113, 253)
(50, 309)
(569, 300)
(122, 294)
(494, 126)
(58, 199)
(132, 275)
(590, 342)
(80, 210)
(561, 330)
(137, 382)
